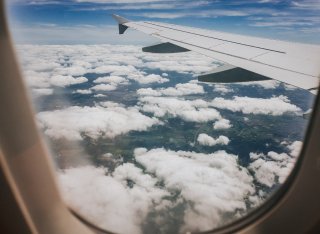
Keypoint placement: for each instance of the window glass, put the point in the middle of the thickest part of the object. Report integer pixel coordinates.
(140, 145)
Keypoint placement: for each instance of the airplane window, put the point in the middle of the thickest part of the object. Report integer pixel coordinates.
(148, 142)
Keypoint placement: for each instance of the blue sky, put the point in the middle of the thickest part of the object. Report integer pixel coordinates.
(90, 22)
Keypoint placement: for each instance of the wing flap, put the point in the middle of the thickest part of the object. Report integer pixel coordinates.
(166, 47)
(208, 42)
(303, 66)
(231, 74)
(241, 51)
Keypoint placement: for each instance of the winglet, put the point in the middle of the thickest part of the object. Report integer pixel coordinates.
(121, 21)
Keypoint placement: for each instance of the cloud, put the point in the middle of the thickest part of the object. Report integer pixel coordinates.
(207, 140)
(111, 201)
(207, 189)
(77, 34)
(195, 14)
(178, 90)
(99, 95)
(45, 66)
(114, 200)
(83, 91)
(111, 80)
(193, 111)
(295, 148)
(163, 15)
(75, 122)
(131, 72)
(38, 65)
(37, 79)
(147, 79)
(63, 81)
(148, 92)
(117, 1)
(158, 5)
(280, 24)
(104, 87)
(72, 71)
(110, 104)
(268, 1)
(115, 69)
(306, 4)
(42, 92)
(210, 184)
(222, 186)
(188, 62)
(273, 106)
(222, 124)
(223, 89)
(266, 84)
(274, 168)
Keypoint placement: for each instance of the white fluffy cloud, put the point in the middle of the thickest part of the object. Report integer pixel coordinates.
(266, 84)
(104, 87)
(99, 95)
(295, 148)
(207, 140)
(184, 63)
(83, 91)
(222, 124)
(42, 92)
(78, 70)
(273, 106)
(63, 81)
(71, 123)
(148, 92)
(107, 200)
(193, 111)
(37, 79)
(141, 78)
(273, 167)
(115, 69)
(112, 83)
(210, 184)
(223, 89)
(61, 65)
(111, 79)
(131, 72)
(178, 90)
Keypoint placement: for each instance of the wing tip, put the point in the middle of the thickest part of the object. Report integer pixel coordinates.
(120, 19)
(121, 22)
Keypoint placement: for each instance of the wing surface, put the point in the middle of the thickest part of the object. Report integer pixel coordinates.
(292, 63)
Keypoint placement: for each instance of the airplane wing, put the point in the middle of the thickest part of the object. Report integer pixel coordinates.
(251, 58)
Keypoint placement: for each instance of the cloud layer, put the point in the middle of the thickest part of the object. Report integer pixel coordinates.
(163, 188)
(193, 111)
(74, 122)
(207, 185)
(61, 66)
(273, 167)
(274, 106)
(207, 140)
(178, 90)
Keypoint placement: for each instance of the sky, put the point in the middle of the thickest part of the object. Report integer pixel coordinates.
(90, 21)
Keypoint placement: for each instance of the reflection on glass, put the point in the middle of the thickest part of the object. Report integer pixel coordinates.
(142, 147)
